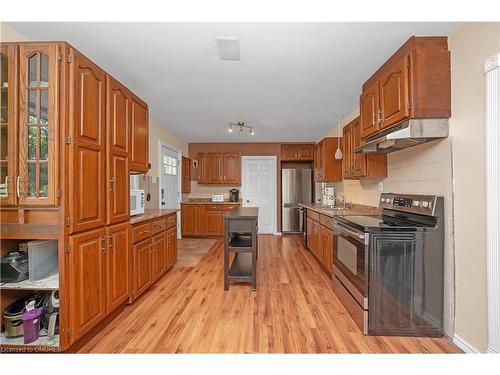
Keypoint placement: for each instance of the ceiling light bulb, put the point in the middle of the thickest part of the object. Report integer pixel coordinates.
(241, 130)
(252, 132)
(230, 130)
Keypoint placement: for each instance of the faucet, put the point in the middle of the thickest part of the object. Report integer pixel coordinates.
(342, 199)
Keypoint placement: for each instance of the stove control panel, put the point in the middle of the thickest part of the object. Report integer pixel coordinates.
(421, 204)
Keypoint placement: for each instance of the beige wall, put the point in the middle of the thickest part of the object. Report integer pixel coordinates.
(159, 132)
(470, 46)
(8, 34)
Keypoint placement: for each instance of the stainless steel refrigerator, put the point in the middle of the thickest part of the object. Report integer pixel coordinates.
(296, 187)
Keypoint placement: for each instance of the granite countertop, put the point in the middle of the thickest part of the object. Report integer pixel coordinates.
(352, 209)
(206, 201)
(152, 213)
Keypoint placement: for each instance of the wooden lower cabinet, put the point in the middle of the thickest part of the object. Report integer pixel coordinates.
(154, 251)
(117, 265)
(87, 281)
(320, 239)
(204, 220)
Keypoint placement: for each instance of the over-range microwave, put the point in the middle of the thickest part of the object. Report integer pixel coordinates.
(136, 202)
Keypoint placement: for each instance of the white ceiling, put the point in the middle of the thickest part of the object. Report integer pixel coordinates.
(291, 82)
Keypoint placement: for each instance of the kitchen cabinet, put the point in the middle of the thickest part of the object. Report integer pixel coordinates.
(139, 136)
(87, 280)
(320, 238)
(171, 254)
(117, 163)
(326, 167)
(219, 168)
(204, 220)
(159, 254)
(37, 182)
(141, 274)
(87, 157)
(297, 152)
(186, 175)
(8, 125)
(356, 165)
(413, 83)
(117, 265)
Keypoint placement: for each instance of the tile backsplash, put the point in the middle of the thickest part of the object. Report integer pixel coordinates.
(423, 169)
(206, 191)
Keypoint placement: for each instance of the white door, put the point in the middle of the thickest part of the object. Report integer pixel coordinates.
(259, 189)
(169, 188)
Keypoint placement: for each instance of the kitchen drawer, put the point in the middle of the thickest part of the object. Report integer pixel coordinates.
(313, 215)
(141, 232)
(171, 220)
(326, 221)
(229, 207)
(213, 207)
(159, 225)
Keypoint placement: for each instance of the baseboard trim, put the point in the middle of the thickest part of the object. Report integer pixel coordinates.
(464, 345)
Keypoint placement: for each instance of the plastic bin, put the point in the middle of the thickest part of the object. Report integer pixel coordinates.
(42, 258)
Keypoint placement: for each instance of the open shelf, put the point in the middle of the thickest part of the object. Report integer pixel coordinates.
(40, 345)
(241, 242)
(49, 283)
(241, 268)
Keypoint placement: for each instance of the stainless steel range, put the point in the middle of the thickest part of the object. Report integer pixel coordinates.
(388, 269)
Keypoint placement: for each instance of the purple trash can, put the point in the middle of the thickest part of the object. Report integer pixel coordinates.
(31, 325)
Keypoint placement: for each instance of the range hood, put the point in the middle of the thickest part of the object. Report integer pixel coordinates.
(405, 134)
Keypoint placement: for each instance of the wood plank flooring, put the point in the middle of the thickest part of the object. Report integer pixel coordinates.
(294, 310)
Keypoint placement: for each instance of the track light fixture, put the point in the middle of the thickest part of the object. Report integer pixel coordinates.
(242, 126)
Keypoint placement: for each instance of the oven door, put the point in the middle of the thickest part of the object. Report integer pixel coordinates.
(350, 260)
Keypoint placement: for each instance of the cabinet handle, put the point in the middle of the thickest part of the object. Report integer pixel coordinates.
(112, 184)
(103, 243)
(374, 121)
(111, 241)
(19, 190)
(380, 116)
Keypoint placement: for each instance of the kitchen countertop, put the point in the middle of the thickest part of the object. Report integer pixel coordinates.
(152, 213)
(206, 201)
(243, 213)
(352, 209)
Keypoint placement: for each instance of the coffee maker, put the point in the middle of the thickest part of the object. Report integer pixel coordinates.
(234, 195)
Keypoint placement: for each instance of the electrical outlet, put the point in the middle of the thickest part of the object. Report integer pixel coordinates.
(380, 186)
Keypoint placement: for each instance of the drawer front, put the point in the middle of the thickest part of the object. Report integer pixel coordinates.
(159, 225)
(213, 207)
(313, 215)
(171, 220)
(326, 221)
(229, 207)
(141, 232)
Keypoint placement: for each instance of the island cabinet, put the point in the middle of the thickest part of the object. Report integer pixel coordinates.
(320, 238)
(326, 167)
(154, 251)
(204, 220)
(216, 168)
(297, 152)
(356, 165)
(413, 83)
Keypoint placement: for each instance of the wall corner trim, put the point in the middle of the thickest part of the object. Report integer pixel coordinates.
(492, 62)
(464, 345)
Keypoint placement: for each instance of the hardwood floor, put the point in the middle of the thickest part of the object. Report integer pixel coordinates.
(294, 310)
(190, 251)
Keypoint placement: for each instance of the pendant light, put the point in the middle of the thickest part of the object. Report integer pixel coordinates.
(338, 153)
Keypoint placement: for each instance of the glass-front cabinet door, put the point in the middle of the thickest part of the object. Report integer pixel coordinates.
(36, 183)
(7, 124)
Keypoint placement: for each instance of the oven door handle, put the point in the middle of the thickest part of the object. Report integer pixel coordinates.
(344, 229)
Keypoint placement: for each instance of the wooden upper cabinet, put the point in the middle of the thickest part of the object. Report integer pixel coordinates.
(139, 140)
(415, 82)
(117, 265)
(394, 93)
(232, 169)
(37, 183)
(8, 125)
(327, 168)
(87, 147)
(356, 165)
(297, 152)
(87, 281)
(117, 163)
(368, 108)
(186, 175)
(216, 168)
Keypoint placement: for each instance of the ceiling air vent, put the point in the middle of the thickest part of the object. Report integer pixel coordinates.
(228, 47)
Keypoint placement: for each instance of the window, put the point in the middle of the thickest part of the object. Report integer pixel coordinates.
(169, 165)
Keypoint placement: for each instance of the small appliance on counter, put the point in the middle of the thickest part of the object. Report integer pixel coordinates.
(14, 267)
(217, 197)
(234, 195)
(328, 197)
(137, 202)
